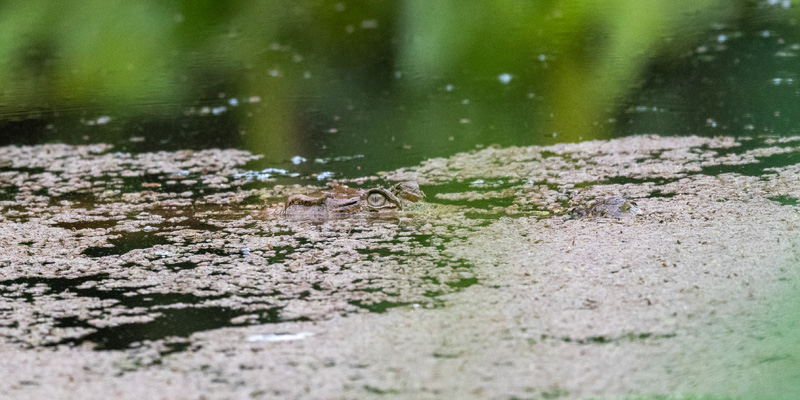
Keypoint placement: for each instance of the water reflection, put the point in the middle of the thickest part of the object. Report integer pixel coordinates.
(397, 83)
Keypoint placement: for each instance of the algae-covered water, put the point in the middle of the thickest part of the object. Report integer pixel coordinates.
(492, 267)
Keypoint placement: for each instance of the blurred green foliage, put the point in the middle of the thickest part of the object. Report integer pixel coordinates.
(583, 57)
(588, 54)
(68, 54)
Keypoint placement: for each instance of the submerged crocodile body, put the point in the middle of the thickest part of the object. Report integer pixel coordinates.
(618, 207)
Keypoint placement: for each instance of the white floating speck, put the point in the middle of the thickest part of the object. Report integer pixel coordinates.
(298, 159)
(233, 102)
(265, 174)
(279, 337)
(504, 78)
(324, 175)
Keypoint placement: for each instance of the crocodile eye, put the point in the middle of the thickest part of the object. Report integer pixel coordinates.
(376, 199)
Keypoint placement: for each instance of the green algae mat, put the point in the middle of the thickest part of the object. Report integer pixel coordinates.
(131, 275)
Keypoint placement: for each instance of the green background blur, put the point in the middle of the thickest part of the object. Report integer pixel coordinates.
(396, 81)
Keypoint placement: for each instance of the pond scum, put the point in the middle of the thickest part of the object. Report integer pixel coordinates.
(153, 257)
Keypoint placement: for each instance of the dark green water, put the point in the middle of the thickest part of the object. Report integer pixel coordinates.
(355, 88)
